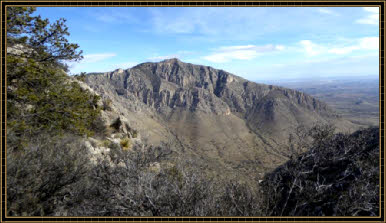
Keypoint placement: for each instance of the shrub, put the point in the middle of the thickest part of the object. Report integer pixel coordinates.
(116, 124)
(126, 143)
(107, 104)
(134, 134)
(81, 76)
(105, 143)
(339, 175)
(47, 170)
(99, 127)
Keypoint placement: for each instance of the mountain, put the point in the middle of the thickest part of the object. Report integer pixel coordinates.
(230, 126)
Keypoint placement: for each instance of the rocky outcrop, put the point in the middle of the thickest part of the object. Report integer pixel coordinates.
(210, 113)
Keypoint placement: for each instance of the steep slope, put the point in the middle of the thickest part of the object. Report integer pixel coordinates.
(338, 176)
(226, 123)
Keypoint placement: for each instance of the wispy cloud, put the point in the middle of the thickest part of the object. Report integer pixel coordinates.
(113, 66)
(310, 48)
(116, 16)
(372, 18)
(213, 23)
(125, 65)
(247, 52)
(366, 43)
(326, 11)
(369, 43)
(89, 60)
(337, 66)
(159, 58)
(92, 58)
(371, 9)
(180, 54)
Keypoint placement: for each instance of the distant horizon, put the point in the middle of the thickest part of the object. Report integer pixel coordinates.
(251, 42)
(278, 80)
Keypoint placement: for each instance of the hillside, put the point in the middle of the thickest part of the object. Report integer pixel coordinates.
(169, 139)
(337, 176)
(224, 121)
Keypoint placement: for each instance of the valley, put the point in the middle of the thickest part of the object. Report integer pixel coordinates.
(223, 122)
(167, 137)
(356, 98)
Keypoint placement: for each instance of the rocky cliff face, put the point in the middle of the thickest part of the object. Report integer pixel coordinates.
(211, 114)
(172, 83)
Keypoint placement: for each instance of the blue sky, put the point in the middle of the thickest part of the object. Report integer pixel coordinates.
(257, 43)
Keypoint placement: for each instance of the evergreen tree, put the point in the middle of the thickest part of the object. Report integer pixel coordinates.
(40, 95)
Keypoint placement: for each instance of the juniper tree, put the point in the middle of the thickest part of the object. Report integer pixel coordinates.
(40, 95)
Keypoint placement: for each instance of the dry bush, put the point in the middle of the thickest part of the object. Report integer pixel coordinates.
(133, 189)
(339, 175)
(107, 104)
(43, 174)
(126, 143)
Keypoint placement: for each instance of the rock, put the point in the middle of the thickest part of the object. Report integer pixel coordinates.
(200, 110)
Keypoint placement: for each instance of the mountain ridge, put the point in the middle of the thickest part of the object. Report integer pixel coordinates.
(211, 114)
(216, 85)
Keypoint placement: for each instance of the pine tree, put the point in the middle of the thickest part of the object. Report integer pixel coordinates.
(40, 95)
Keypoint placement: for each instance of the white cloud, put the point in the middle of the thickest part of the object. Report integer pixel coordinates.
(372, 18)
(124, 65)
(230, 55)
(311, 48)
(88, 60)
(180, 54)
(92, 58)
(369, 43)
(338, 66)
(115, 16)
(343, 50)
(280, 47)
(159, 58)
(365, 43)
(371, 9)
(247, 52)
(326, 11)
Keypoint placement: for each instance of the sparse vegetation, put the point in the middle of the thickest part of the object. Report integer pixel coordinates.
(50, 171)
(337, 169)
(81, 76)
(126, 143)
(107, 103)
(338, 175)
(116, 124)
(134, 134)
(46, 173)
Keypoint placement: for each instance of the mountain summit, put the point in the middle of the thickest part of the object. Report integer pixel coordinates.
(224, 120)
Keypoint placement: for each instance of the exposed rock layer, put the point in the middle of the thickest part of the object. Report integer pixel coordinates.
(225, 121)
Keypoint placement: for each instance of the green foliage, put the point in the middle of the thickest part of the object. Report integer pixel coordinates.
(40, 96)
(43, 98)
(81, 76)
(105, 143)
(47, 40)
